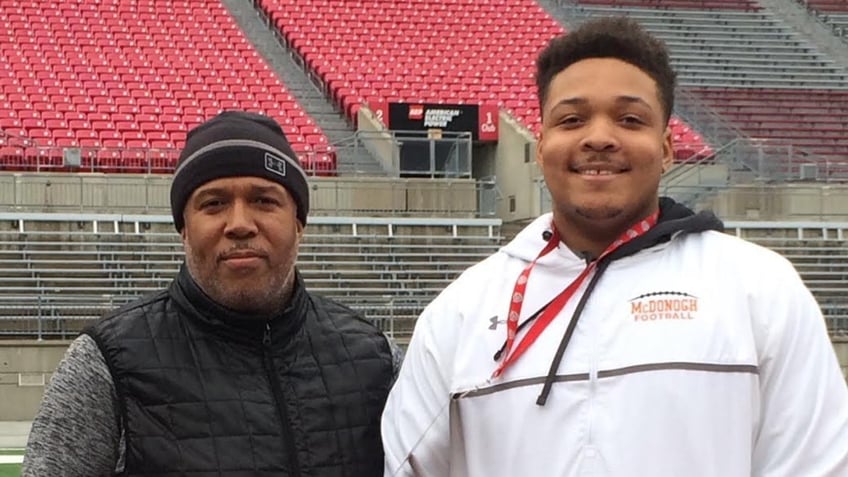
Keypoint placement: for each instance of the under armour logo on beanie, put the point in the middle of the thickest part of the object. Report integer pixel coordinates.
(237, 143)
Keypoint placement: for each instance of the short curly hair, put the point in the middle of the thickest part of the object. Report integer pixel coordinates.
(610, 37)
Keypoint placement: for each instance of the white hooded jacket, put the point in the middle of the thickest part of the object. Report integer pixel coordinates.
(696, 354)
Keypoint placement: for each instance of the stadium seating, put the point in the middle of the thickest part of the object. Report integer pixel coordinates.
(836, 6)
(812, 121)
(388, 271)
(757, 73)
(820, 254)
(57, 274)
(834, 12)
(731, 48)
(828, 5)
(457, 51)
(749, 5)
(129, 77)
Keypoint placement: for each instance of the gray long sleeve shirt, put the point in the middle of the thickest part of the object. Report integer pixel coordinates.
(76, 431)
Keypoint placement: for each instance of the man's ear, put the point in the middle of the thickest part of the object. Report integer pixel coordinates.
(667, 149)
(539, 160)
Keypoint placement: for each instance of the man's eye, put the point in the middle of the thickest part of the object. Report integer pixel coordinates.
(570, 120)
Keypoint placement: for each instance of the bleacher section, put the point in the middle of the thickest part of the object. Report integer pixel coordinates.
(834, 12)
(457, 51)
(732, 48)
(819, 251)
(57, 272)
(125, 79)
(745, 5)
(755, 72)
(811, 124)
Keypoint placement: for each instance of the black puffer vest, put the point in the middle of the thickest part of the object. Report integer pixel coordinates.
(203, 391)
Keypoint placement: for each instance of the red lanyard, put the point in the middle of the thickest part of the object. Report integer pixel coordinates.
(559, 302)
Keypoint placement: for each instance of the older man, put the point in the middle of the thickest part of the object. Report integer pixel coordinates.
(235, 368)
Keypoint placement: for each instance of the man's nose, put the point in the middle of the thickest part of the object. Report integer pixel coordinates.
(240, 221)
(600, 136)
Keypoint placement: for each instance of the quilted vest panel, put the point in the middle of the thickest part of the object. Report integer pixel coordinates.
(197, 400)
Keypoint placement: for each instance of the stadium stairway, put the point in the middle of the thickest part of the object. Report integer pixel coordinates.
(265, 40)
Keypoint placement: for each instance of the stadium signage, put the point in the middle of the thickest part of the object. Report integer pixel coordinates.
(480, 120)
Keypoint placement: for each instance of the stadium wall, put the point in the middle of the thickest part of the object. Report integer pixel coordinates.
(796, 201)
(379, 143)
(130, 193)
(25, 366)
(518, 176)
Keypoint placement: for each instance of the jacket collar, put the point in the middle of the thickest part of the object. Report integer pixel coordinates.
(675, 219)
(232, 324)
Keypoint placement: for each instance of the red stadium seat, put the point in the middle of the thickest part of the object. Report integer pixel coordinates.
(76, 69)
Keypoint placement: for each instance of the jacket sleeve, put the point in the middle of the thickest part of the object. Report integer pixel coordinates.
(415, 423)
(804, 399)
(75, 432)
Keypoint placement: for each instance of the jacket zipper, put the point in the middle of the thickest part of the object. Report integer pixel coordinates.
(593, 380)
(276, 388)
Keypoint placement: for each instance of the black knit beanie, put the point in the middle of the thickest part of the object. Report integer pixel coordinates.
(236, 143)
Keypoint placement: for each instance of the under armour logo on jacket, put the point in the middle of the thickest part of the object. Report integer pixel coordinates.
(494, 322)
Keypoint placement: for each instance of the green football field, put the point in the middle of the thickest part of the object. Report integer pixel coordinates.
(10, 470)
